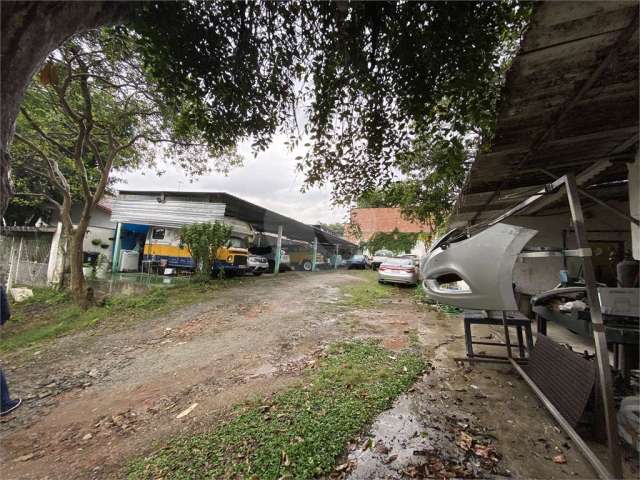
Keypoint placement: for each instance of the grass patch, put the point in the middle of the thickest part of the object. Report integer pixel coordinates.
(50, 313)
(364, 294)
(298, 433)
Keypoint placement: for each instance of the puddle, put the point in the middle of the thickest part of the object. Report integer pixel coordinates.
(420, 437)
(394, 437)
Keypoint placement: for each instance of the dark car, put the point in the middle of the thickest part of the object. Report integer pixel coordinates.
(358, 262)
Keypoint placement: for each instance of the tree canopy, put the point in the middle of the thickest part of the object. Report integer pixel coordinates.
(360, 82)
(373, 80)
(432, 177)
(89, 111)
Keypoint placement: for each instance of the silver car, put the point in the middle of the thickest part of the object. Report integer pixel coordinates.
(257, 265)
(398, 270)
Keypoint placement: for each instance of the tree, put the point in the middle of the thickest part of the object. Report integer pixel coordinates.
(89, 112)
(432, 174)
(395, 241)
(203, 241)
(375, 76)
(335, 228)
(30, 31)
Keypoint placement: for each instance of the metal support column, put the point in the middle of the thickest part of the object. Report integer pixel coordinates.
(276, 267)
(314, 259)
(115, 259)
(335, 263)
(599, 338)
(605, 383)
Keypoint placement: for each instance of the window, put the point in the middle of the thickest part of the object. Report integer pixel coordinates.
(237, 242)
(157, 234)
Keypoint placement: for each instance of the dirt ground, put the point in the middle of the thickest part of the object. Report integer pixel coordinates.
(95, 400)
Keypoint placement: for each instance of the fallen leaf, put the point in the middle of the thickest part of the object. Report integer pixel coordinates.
(284, 459)
(483, 451)
(561, 459)
(465, 441)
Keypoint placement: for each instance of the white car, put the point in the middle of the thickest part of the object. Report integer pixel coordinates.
(398, 270)
(379, 257)
(257, 265)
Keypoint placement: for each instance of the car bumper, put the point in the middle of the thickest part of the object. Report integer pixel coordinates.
(398, 277)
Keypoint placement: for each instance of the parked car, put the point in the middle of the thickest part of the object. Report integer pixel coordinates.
(379, 257)
(415, 258)
(269, 253)
(257, 265)
(359, 262)
(398, 270)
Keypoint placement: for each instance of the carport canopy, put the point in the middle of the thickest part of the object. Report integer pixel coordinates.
(213, 206)
(570, 105)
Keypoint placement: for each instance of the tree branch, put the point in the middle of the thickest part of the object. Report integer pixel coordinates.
(48, 138)
(56, 175)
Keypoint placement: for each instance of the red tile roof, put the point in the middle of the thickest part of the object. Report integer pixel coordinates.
(373, 220)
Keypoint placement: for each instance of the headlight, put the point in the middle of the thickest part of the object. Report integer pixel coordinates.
(230, 259)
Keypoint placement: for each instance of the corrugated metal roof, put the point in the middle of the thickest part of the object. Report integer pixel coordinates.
(570, 101)
(150, 210)
(260, 218)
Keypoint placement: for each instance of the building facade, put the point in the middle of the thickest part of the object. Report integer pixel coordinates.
(364, 223)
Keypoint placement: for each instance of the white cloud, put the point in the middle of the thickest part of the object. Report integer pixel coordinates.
(270, 180)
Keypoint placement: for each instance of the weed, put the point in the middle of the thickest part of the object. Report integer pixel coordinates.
(365, 294)
(298, 433)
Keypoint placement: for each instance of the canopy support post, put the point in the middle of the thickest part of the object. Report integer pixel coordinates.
(115, 259)
(314, 259)
(276, 267)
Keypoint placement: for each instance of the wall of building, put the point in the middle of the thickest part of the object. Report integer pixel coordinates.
(533, 276)
(373, 220)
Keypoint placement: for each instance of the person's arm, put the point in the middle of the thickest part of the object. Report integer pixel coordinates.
(5, 310)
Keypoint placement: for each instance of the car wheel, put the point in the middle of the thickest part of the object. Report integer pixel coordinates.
(380, 282)
(307, 266)
(257, 274)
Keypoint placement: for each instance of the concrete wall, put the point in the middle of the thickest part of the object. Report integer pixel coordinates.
(100, 227)
(99, 217)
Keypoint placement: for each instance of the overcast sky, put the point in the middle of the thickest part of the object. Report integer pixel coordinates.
(269, 180)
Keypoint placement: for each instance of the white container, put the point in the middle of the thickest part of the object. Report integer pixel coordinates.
(129, 261)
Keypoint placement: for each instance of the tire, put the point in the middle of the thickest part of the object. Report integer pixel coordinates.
(381, 282)
(307, 265)
(257, 274)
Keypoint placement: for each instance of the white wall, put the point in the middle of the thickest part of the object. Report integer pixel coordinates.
(535, 275)
(104, 235)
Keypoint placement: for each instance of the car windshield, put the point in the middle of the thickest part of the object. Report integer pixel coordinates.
(383, 253)
(357, 257)
(398, 261)
(236, 242)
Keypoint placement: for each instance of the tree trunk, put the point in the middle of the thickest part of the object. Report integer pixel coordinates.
(76, 277)
(31, 30)
(77, 283)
